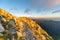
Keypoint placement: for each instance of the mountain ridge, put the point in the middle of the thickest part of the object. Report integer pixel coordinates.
(36, 29)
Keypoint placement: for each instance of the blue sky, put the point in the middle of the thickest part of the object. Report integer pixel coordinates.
(32, 7)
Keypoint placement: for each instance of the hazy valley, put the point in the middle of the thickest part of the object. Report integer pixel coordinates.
(51, 25)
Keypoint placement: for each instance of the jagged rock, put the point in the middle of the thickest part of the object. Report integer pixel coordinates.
(1, 28)
(11, 27)
(27, 29)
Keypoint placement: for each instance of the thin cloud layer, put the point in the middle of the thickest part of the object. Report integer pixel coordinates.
(27, 11)
(34, 3)
(48, 4)
(52, 3)
(56, 11)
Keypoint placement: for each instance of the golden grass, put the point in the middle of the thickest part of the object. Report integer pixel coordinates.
(34, 27)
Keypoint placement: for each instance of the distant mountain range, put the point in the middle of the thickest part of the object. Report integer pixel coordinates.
(53, 18)
(51, 25)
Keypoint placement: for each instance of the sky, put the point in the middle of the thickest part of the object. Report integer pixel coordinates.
(34, 8)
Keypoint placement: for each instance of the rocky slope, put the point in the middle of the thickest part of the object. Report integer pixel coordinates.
(27, 28)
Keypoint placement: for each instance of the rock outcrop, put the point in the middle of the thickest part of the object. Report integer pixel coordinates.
(27, 28)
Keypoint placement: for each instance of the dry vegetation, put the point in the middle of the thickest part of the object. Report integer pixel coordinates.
(36, 30)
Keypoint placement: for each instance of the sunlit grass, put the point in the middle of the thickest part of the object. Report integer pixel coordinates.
(2, 38)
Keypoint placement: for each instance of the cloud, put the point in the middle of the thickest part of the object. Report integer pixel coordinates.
(56, 11)
(36, 2)
(52, 3)
(11, 9)
(48, 3)
(27, 11)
